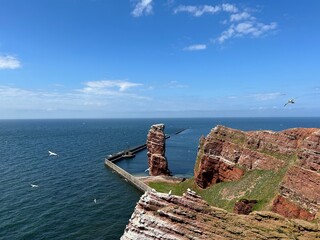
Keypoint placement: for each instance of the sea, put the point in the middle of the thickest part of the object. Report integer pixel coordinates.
(62, 205)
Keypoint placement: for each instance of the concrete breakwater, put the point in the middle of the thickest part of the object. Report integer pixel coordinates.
(133, 180)
(124, 154)
(121, 155)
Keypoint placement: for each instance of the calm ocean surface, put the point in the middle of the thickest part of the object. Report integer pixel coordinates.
(62, 206)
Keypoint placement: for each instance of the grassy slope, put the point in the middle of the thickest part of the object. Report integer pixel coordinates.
(257, 184)
(260, 185)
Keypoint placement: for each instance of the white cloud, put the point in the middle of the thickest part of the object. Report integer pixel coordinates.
(240, 22)
(266, 96)
(239, 16)
(9, 62)
(97, 86)
(14, 92)
(230, 8)
(248, 28)
(176, 84)
(143, 7)
(198, 11)
(196, 47)
(95, 95)
(226, 34)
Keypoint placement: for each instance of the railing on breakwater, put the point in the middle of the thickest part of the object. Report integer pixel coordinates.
(123, 154)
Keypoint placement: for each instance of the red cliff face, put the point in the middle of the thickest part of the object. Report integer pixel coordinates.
(226, 154)
(157, 160)
(289, 209)
(309, 152)
(299, 194)
(167, 217)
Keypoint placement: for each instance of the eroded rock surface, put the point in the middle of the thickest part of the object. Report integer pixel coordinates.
(244, 206)
(226, 154)
(156, 145)
(164, 216)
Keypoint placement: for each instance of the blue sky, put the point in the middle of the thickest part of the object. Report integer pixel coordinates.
(159, 58)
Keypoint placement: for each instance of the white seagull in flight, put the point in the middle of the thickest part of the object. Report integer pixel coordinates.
(52, 153)
(33, 185)
(290, 101)
(95, 200)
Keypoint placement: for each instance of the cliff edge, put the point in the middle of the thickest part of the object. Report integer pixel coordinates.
(246, 185)
(165, 216)
(286, 165)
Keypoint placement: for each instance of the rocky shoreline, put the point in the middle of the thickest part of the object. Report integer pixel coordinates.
(271, 182)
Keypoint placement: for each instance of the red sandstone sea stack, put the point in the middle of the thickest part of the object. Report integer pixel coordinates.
(156, 145)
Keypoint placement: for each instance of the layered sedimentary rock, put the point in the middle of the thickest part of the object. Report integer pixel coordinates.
(164, 216)
(299, 192)
(156, 145)
(227, 154)
(309, 152)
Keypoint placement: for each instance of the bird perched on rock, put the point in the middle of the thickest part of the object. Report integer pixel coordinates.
(170, 192)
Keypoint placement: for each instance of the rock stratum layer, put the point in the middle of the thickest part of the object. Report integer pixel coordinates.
(292, 156)
(164, 216)
(156, 145)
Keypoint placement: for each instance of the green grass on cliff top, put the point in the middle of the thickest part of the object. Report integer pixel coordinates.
(260, 185)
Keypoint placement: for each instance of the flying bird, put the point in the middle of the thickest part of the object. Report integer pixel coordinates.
(95, 200)
(290, 101)
(148, 169)
(52, 153)
(34, 185)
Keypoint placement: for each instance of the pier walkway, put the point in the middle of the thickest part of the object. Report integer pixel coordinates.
(124, 154)
(133, 180)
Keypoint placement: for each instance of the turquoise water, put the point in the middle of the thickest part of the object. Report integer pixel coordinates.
(62, 206)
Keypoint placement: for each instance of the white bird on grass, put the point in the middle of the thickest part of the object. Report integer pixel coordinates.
(34, 185)
(52, 153)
